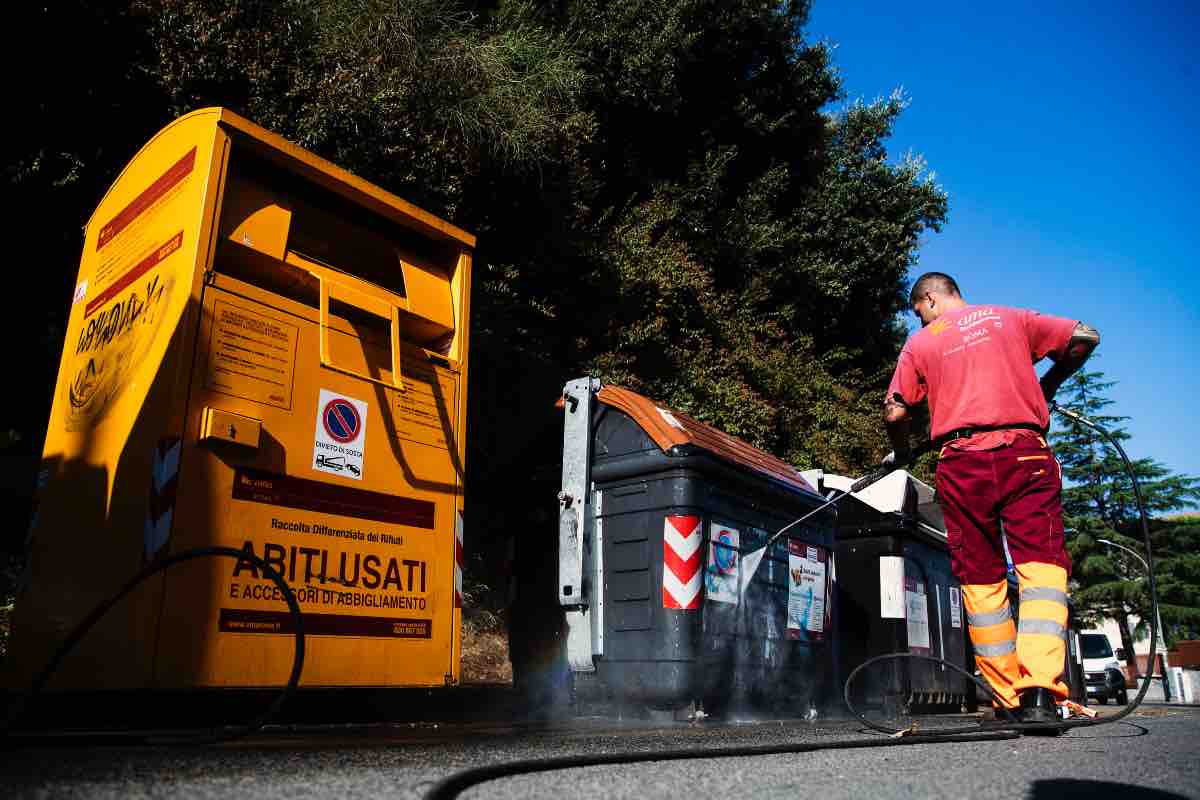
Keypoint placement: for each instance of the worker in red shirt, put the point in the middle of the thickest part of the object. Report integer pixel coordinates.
(988, 418)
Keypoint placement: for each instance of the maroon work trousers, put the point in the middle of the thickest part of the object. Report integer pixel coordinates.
(1019, 485)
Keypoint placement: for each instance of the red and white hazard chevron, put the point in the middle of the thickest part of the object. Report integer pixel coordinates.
(164, 479)
(458, 551)
(682, 537)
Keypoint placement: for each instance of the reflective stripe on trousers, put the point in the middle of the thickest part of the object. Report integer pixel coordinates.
(994, 637)
(1042, 632)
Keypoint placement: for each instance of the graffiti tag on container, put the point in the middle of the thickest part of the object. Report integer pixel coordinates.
(111, 346)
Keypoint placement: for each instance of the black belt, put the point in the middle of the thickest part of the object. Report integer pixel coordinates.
(967, 433)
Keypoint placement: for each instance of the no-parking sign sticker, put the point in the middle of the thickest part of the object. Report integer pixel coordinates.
(721, 574)
(340, 438)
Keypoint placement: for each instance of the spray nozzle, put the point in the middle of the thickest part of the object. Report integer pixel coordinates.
(871, 477)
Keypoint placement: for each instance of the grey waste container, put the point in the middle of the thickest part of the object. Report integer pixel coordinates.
(674, 505)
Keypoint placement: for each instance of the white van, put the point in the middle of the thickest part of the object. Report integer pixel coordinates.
(1101, 670)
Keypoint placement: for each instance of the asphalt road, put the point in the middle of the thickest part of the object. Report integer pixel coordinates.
(1153, 755)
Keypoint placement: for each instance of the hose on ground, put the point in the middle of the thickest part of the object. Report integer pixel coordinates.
(1009, 728)
(11, 737)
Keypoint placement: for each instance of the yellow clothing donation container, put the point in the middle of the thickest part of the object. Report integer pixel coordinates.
(267, 353)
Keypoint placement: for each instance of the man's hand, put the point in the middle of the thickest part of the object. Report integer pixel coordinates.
(896, 421)
(1083, 341)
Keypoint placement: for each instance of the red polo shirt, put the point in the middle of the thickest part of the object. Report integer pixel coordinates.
(975, 365)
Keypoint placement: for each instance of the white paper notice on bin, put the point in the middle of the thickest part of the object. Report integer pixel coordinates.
(806, 589)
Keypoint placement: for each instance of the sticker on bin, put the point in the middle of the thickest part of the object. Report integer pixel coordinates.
(806, 591)
(721, 575)
(916, 608)
(682, 537)
(164, 480)
(955, 607)
(458, 558)
(669, 418)
(341, 435)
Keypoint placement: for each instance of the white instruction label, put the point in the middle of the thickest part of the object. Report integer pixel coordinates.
(916, 606)
(891, 587)
(955, 607)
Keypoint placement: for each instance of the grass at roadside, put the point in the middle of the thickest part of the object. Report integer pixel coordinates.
(485, 657)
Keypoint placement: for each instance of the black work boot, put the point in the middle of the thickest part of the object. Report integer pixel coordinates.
(1037, 705)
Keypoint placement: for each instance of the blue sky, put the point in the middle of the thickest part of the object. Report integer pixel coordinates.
(1068, 138)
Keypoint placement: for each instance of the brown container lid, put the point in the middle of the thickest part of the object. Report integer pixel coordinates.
(670, 428)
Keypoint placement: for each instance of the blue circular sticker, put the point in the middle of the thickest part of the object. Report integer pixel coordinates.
(725, 555)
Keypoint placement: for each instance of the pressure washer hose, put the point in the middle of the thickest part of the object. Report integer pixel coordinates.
(451, 786)
(9, 738)
(454, 784)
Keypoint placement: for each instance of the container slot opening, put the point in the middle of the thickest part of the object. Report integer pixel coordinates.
(253, 267)
(273, 220)
(332, 288)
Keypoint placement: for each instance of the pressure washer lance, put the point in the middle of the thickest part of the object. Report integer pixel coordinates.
(751, 560)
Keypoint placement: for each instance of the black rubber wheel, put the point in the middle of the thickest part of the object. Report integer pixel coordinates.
(1102, 699)
(1123, 698)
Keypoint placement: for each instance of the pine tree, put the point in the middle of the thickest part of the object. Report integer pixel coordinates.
(1099, 503)
(1176, 543)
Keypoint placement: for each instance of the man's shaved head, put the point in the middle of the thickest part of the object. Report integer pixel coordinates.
(933, 282)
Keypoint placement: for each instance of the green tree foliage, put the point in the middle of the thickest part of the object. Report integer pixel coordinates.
(665, 194)
(1177, 571)
(752, 246)
(1099, 503)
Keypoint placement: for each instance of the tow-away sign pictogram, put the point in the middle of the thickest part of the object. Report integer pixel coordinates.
(341, 435)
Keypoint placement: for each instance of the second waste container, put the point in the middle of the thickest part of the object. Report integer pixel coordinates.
(895, 593)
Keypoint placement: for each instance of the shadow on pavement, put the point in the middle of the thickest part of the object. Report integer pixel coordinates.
(1118, 730)
(1066, 789)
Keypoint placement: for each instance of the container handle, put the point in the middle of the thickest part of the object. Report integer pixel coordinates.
(372, 305)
